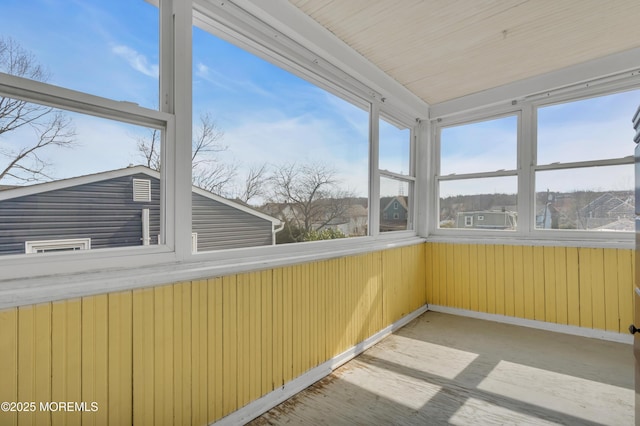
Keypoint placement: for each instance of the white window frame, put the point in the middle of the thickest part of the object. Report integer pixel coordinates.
(55, 245)
(409, 178)
(468, 221)
(476, 117)
(527, 134)
(172, 260)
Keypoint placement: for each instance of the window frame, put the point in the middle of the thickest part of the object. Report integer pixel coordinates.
(98, 271)
(437, 178)
(33, 247)
(527, 166)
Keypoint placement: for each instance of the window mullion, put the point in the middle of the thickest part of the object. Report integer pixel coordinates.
(374, 173)
(526, 178)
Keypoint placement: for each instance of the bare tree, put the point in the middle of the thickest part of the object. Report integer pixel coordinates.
(255, 183)
(149, 148)
(310, 196)
(208, 172)
(25, 162)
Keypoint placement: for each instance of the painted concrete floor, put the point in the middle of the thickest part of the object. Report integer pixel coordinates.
(445, 369)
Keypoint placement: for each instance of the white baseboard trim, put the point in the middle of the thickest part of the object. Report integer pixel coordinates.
(559, 328)
(278, 396)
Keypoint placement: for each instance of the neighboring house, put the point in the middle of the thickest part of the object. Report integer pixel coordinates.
(394, 213)
(119, 208)
(606, 209)
(490, 219)
(347, 215)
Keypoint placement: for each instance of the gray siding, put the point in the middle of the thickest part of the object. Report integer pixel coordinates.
(222, 227)
(103, 211)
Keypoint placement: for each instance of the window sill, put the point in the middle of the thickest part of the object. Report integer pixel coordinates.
(29, 290)
(553, 240)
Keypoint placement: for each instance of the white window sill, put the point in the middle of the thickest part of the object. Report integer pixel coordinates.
(626, 241)
(26, 290)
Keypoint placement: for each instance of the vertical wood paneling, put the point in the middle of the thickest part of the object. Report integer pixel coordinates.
(243, 339)
(193, 352)
(610, 280)
(214, 348)
(561, 301)
(444, 280)
(120, 359)
(539, 275)
(573, 286)
(199, 352)
(229, 345)
(9, 363)
(66, 355)
(450, 274)
(143, 357)
(473, 277)
(586, 311)
(95, 343)
(498, 265)
(163, 354)
(491, 279)
(587, 287)
(267, 327)
(278, 329)
(465, 276)
(598, 290)
(549, 284)
(626, 264)
(482, 278)
(509, 286)
(528, 282)
(518, 282)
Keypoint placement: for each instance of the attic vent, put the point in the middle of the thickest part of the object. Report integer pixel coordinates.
(142, 190)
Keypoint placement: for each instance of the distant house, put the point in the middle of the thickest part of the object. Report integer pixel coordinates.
(119, 208)
(605, 210)
(490, 219)
(394, 213)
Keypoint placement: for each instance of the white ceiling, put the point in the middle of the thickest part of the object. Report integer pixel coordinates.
(446, 49)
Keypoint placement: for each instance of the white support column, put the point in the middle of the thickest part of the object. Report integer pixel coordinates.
(423, 185)
(526, 176)
(374, 173)
(176, 98)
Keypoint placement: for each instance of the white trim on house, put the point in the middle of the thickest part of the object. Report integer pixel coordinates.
(71, 244)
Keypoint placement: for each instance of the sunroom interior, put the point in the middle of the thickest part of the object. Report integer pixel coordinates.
(517, 178)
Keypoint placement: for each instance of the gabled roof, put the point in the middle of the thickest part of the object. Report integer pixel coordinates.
(113, 174)
(387, 201)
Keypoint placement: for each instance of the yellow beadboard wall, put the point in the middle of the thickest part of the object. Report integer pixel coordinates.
(193, 352)
(585, 287)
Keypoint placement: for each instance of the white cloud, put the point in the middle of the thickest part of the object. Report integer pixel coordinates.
(136, 60)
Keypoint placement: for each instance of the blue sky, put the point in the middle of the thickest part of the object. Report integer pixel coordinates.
(590, 129)
(110, 49)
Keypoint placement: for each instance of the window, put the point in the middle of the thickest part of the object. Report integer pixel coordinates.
(478, 174)
(584, 169)
(568, 167)
(109, 49)
(290, 158)
(396, 176)
(57, 245)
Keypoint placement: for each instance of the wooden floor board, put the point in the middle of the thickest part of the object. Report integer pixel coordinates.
(444, 369)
